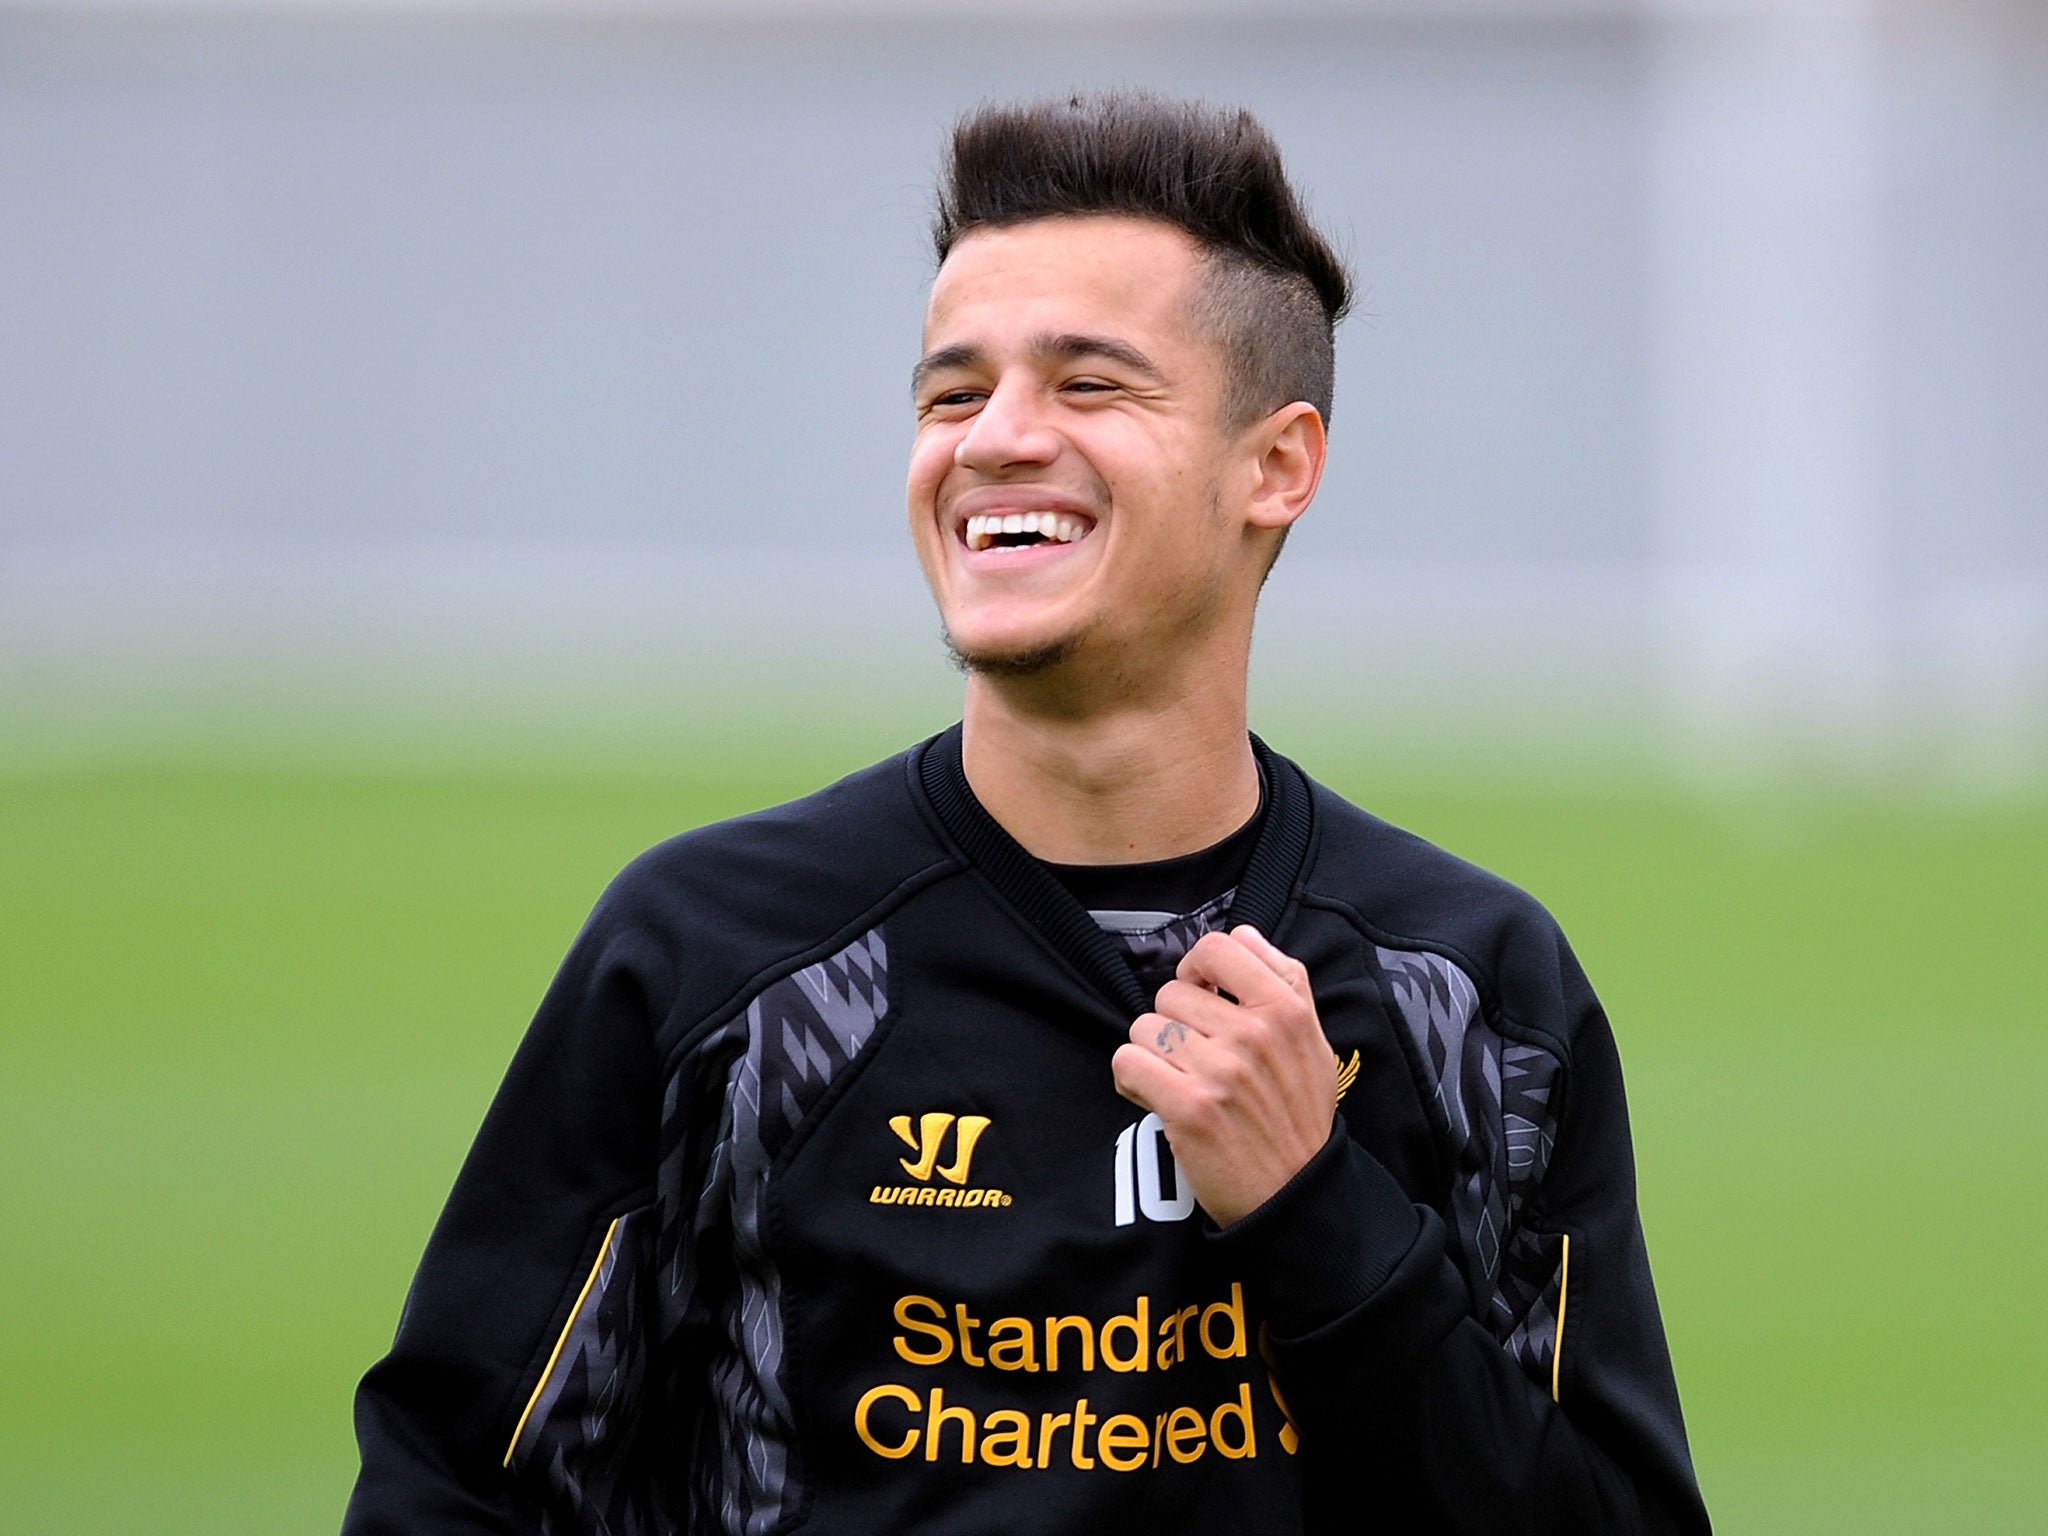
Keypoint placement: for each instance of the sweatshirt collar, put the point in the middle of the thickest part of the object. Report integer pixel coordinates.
(1262, 895)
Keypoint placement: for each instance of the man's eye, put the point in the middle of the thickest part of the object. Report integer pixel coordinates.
(955, 397)
(1089, 387)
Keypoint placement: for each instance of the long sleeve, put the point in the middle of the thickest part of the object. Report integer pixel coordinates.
(524, 1299)
(1412, 1411)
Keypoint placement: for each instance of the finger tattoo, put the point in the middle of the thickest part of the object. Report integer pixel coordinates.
(1171, 1033)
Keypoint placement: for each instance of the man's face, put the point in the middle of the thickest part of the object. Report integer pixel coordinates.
(1071, 485)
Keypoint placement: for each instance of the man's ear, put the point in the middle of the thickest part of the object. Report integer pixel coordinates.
(1291, 447)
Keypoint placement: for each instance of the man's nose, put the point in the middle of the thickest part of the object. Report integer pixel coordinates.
(1011, 430)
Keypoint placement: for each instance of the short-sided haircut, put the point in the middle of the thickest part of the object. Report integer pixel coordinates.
(1275, 289)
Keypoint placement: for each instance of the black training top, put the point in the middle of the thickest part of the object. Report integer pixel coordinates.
(808, 1202)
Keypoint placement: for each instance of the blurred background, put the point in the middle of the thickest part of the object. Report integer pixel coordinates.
(447, 445)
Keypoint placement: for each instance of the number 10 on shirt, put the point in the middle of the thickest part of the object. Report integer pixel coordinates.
(1142, 1155)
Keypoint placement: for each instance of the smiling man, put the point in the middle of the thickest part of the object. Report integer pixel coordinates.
(1083, 1121)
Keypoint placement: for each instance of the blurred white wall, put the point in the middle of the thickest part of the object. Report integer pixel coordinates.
(485, 356)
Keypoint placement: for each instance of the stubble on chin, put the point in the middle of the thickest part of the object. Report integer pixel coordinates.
(1036, 661)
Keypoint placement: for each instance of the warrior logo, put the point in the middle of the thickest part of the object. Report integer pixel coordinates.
(927, 1142)
(931, 1136)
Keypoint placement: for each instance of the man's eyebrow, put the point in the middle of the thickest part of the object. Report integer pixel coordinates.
(960, 355)
(1067, 346)
(1052, 347)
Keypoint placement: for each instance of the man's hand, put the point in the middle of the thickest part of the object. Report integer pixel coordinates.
(1247, 1089)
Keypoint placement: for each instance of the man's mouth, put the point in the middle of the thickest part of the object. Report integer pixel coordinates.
(1018, 530)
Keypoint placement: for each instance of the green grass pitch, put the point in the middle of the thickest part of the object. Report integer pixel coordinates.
(251, 1019)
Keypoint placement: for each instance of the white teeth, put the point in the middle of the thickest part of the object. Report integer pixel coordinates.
(983, 528)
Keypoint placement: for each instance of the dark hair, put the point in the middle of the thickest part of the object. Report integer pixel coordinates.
(1275, 289)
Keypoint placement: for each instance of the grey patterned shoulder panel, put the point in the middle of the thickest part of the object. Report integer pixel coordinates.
(1494, 1102)
(693, 1269)
(593, 1382)
(800, 1033)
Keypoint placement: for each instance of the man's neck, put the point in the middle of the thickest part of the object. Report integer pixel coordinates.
(1121, 786)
